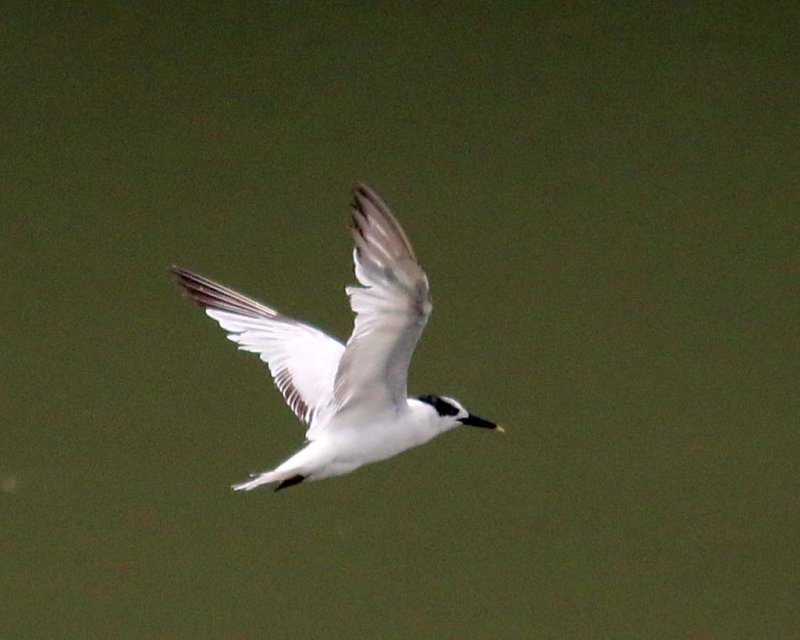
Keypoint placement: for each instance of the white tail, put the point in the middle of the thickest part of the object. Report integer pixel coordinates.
(258, 480)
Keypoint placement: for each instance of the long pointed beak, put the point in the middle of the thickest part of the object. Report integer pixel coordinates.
(475, 421)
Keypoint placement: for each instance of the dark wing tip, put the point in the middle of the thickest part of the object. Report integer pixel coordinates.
(191, 283)
(373, 224)
(361, 187)
(180, 273)
(364, 197)
(201, 290)
(211, 295)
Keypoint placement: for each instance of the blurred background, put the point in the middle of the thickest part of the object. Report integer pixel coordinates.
(606, 202)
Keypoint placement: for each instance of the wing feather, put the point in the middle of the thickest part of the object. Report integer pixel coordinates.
(302, 359)
(392, 306)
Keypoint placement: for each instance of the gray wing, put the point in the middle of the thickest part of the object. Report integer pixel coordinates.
(392, 307)
(302, 360)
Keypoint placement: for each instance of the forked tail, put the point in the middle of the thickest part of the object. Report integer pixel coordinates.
(257, 479)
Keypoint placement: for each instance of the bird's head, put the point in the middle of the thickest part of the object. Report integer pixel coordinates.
(449, 413)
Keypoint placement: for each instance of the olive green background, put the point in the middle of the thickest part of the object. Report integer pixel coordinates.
(605, 197)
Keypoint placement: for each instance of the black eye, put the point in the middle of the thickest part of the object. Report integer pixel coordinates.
(442, 406)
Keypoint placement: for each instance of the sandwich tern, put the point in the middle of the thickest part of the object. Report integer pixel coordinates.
(353, 396)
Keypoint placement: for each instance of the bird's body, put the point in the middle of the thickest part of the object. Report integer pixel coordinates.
(353, 396)
(352, 439)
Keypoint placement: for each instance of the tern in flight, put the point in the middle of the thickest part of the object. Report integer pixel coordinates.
(352, 396)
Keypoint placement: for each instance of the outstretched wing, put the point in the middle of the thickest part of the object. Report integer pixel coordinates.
(392, 307)
(303, 360)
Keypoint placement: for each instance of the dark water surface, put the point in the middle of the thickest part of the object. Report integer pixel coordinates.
(606, 202)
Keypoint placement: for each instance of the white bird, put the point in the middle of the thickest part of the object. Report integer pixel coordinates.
(353, 396)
